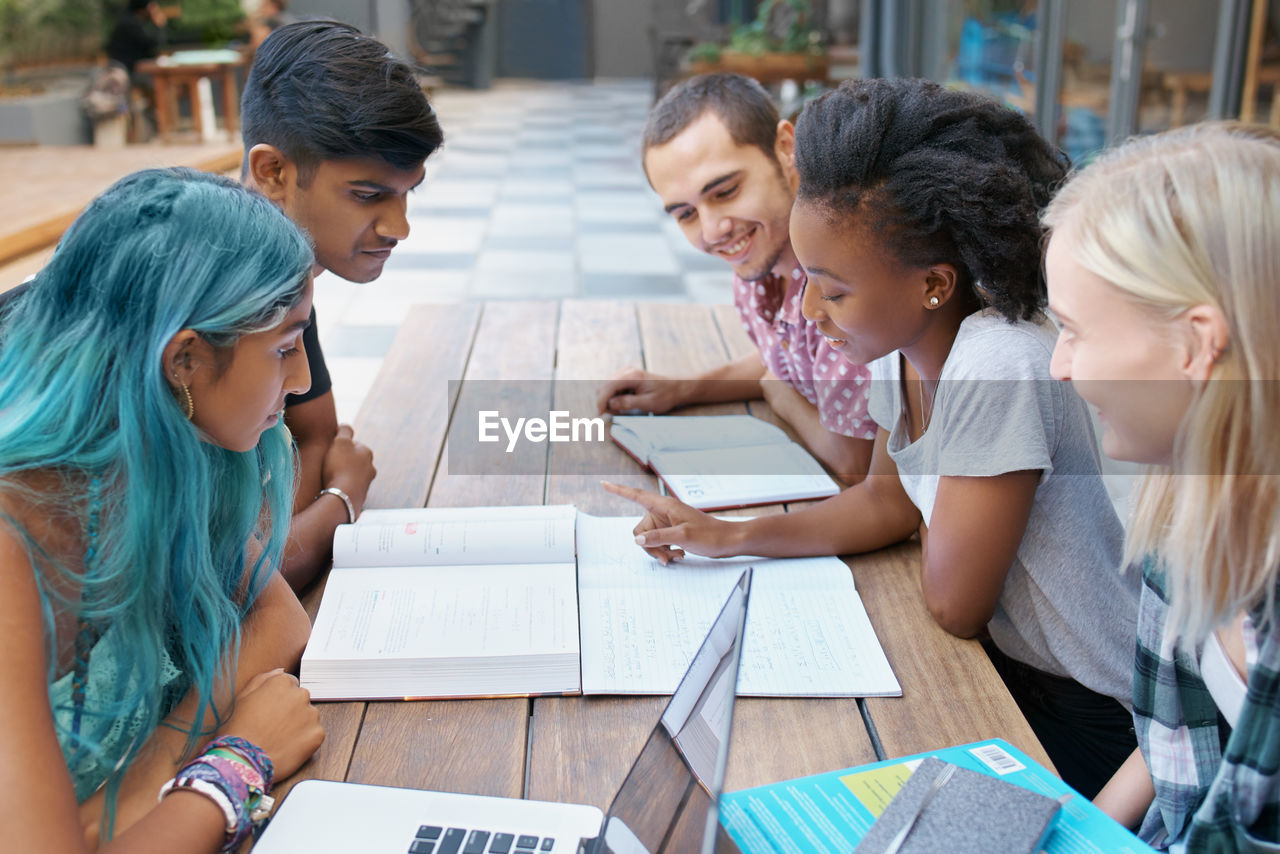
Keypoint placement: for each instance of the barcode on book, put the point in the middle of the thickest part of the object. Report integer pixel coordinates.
(997, 759)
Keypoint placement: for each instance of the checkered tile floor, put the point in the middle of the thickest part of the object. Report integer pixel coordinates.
(538, 193)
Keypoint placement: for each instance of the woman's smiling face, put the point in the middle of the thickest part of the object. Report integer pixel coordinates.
(863, 300)
(1120, 360)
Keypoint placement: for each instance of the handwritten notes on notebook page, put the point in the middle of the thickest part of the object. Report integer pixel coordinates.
(808, 634)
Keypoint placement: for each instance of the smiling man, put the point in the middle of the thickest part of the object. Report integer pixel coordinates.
(336, 132)
(723, 165)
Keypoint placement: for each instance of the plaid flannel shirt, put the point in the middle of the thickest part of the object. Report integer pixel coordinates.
(1217, 789)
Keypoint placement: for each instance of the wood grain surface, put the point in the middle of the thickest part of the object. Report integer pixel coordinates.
(579, 748)
(950, 692)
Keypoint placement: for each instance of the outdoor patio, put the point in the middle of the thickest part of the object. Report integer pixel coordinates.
(538, 193)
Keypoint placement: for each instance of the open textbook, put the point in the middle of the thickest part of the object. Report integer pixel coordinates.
(489, 601)
(717, 462)
(448, 602)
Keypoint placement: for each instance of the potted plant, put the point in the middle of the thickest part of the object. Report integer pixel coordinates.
(778, 44)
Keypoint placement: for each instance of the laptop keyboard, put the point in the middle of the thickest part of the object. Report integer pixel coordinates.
(431, 839)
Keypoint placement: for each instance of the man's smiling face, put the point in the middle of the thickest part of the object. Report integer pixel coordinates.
(731, 201)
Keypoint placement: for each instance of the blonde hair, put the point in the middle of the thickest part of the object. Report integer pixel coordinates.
(1185, 218)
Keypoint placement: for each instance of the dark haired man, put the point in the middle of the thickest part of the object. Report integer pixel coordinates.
(336, 132)
(137, 34)
(723, 164)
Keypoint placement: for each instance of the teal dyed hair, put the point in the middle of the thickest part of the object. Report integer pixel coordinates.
(84, 399)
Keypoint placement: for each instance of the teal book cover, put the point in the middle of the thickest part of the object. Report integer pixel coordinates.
(831, 812)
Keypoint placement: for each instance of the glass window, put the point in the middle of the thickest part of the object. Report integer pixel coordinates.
(1261, 91)
(1177, 69)
(1088, 47)
(990, 47)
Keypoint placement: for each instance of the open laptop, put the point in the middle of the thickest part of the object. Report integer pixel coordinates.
(669, 801)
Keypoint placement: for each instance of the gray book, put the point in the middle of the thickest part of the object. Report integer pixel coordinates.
(972, 813)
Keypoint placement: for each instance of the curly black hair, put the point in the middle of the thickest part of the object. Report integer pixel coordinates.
(941, 176)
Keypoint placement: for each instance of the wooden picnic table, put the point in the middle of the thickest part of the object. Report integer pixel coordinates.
(579, 748)
(182, 72)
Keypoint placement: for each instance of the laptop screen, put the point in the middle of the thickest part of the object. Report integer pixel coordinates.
(669, 801)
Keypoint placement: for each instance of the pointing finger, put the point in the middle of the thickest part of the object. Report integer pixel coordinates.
(646, 499)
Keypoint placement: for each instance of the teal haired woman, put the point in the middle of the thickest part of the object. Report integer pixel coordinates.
(145, 492)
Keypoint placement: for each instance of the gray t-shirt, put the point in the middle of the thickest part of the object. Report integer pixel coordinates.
(1066, 608)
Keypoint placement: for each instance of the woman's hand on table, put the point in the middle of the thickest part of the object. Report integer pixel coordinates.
(670, 527)
(274, 712)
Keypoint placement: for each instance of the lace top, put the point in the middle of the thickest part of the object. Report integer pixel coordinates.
(99, 723)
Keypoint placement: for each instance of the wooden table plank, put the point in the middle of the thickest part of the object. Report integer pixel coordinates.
(682, 341)
(736, 341)
(582, 747)
(474, 746)
(341, 722)
(950, 692)
(779, 739)
(410, 396)
(510, 369)
(596, 340)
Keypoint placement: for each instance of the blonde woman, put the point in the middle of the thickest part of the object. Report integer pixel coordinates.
(1164, 270)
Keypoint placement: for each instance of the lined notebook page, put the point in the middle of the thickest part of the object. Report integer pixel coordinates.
(641, 622)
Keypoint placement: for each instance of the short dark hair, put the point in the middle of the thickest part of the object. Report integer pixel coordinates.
(740, 102)
(322, 90)
(938, 175)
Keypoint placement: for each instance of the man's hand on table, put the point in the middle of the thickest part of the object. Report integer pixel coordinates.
(636, 390)
(348, 465)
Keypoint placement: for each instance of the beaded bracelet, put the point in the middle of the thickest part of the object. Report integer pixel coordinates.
(198, 775)
(250, 752)
(210, 791)
(257, 802)
(235, 774)
(230, 760)
(254, 766)
(200, 778)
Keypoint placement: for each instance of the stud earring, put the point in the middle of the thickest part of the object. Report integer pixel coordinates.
(933, 302)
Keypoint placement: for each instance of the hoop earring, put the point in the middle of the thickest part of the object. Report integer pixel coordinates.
(933, 302)
(189, 405)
